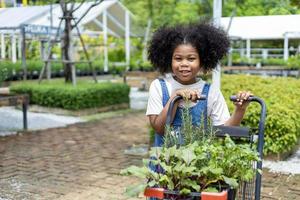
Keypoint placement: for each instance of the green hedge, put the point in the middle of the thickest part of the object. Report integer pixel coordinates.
(282, 97)
(84, 95)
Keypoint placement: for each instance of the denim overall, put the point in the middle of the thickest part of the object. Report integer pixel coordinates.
(197, 111)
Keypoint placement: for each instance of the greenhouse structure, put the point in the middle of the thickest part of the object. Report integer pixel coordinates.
(20, 23)
(272, 27)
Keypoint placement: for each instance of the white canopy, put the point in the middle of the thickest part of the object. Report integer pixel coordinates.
(15, 16)
(263, 27)
(40, 15)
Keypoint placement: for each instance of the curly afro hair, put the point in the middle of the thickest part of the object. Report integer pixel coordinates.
(211, 43)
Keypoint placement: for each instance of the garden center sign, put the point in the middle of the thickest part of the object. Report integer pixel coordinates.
(39, 29)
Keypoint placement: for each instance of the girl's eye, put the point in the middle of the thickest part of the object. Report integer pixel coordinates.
(177, 58)
(192, 59)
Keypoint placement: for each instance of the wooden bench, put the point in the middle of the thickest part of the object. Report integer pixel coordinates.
(144, 78)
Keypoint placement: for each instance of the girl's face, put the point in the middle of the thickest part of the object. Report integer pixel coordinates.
(185, 64)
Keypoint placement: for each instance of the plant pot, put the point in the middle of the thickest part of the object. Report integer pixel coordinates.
(162, 193)
(35, 74)
(154, 192)
(214, 196)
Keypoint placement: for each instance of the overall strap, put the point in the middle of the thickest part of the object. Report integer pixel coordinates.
(165, 92)
(159, 139)
(205, 92)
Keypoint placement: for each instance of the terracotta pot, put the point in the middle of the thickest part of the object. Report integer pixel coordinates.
(160, 194)
(214, 196)
(154, 192)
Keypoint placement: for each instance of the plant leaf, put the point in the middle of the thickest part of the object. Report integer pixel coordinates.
(211, 189)
(231, 181)
(135, 190)
(140, 172)
(185, 191)
(188, 156)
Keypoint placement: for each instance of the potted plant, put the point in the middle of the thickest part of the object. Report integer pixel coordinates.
(202, 165)
(3, 77)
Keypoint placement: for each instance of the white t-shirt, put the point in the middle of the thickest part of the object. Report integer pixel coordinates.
(217, 108)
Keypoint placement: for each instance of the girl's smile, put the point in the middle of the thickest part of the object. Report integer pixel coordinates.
(185, 64)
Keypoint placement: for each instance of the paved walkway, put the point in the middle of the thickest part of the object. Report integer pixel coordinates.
(12, 119)
(82, 161)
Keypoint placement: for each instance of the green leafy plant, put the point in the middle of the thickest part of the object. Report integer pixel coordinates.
(3, 75)
(294, 62)
(201, 163)
(281, 95)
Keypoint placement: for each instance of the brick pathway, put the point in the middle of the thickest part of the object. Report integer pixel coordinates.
(82, 161)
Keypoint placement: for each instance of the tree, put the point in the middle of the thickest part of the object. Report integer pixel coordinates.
(174, 11)
(70, 23)
(68, 9)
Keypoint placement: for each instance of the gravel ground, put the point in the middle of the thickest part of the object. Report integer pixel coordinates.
(290, 166)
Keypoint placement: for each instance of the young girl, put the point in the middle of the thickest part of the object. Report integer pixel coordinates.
(184, 51)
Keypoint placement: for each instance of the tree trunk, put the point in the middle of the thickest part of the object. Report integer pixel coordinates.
(66, 48)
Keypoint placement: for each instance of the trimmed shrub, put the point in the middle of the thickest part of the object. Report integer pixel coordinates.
(84, 95)
(281, 95)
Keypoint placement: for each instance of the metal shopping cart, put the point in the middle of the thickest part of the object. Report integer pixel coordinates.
(249, 190)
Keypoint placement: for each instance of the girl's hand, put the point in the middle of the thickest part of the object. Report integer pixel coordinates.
(242, 97)
(188, 94)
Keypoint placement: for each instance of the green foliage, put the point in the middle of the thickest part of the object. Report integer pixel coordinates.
(11, 67)
(281, 95)
(84, 95)
(151, 135)
(3, 75)
(258, 7)
(294, 62)
(274, 61)
(198, 164)
(237, 60)
(34, 66)
(33, 50)
(164, 11)
(173, 11)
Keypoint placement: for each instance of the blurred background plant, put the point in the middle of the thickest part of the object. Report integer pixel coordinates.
(3, 75)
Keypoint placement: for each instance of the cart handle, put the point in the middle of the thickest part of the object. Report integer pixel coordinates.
(172, 103)
(261, 126)
(261, 129)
